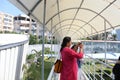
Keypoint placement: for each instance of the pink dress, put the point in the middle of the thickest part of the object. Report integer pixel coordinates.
(69, 61)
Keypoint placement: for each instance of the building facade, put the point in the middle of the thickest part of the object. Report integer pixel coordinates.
(6, 22)
(24, 24)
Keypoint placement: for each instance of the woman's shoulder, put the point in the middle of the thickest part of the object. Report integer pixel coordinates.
(66, 49)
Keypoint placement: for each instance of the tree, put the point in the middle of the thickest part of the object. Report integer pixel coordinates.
(114, 37)
(33, 39)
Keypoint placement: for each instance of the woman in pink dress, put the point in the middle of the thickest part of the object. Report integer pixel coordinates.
(69, 60)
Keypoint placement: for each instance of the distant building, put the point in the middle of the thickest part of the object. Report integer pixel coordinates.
(24, 24)
(118, 34)
(6, 22)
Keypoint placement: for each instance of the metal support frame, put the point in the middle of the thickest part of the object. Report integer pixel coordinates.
(76, 14)
(34, 7)
(79, 34)
(59, 14)
(68, 28)
(30, 11)
(97, 15)
(75, 20)
(81, 9)
(43, 35)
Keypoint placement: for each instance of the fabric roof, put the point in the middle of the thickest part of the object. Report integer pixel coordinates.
(75, 18)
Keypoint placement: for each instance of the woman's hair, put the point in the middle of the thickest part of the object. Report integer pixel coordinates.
(73, 46)
(65, 41)
(119, 58)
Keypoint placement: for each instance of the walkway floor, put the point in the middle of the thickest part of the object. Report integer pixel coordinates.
(81, 75)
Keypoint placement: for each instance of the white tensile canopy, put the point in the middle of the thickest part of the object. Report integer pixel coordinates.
(75, 18)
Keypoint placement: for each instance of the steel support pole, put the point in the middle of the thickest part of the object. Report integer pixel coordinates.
(92, 46)
(105, 38)
(51, 39)
(43, 36)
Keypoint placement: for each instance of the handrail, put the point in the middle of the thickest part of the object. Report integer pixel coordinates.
(100, 62)
(6, 46)
(91, 72)
(51, 73)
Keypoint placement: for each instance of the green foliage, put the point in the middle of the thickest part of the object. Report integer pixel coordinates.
(30, 58)
(33, 70)
(106, 71)
(33, 39)
(52, 52)
(7, 32)
(114, 36)
(47, 51)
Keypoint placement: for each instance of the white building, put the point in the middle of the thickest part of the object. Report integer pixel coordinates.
(24, 24)
(6, 22)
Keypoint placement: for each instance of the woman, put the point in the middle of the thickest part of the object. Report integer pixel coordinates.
(116, 70)
(69, 58)
(75, 48)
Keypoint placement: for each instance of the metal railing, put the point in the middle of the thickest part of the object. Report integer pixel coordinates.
(97, 69)
(12, 57)
(96, 61)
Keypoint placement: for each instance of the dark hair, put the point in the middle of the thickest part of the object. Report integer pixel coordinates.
(73, 46)
(65, 41)
(119, 58)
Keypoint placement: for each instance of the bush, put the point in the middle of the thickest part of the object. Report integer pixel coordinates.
(33, 71)
(33, 39)
(106, 71)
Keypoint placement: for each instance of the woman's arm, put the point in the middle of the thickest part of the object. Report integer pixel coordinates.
(72, 53)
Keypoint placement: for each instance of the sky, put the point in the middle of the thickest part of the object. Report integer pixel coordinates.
(7, 7)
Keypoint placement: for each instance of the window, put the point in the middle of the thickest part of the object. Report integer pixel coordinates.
(6, 15)
(15, 18)
(10, 20)
(28, 19)
(21, 18)
(5, 19)
(5, 27)
(10, 16)
(6, 23)
(9, 27)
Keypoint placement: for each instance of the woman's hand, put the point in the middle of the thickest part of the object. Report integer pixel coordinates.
(81, 46)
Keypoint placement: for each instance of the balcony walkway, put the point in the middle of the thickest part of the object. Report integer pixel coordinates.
(79, 19)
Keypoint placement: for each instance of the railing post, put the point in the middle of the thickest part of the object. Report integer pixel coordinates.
(19, 62)
(101, 72)
(43, 36)
(94, 69)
